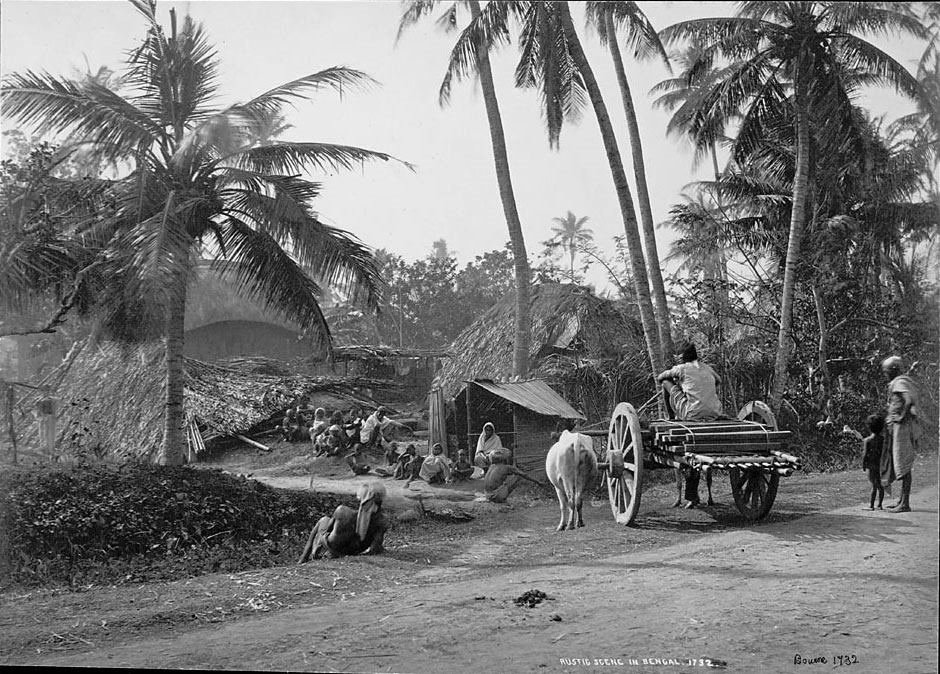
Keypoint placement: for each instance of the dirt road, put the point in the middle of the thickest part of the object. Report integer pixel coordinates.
(805, 593)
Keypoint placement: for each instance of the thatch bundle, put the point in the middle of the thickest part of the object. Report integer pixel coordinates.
(586, 347)
(111, 398)
(371, 352)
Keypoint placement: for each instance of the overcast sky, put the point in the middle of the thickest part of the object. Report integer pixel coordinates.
(452, 194)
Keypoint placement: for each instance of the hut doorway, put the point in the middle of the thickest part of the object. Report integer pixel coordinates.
(524, 413)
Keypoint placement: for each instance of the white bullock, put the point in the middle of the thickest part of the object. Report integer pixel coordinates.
(571, 466)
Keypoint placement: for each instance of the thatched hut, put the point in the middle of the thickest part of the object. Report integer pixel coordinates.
(111, 398)
(588, 349)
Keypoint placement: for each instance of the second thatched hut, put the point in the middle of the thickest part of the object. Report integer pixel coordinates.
(588, 349)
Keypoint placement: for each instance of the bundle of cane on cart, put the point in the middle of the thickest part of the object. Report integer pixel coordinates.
(749, 447)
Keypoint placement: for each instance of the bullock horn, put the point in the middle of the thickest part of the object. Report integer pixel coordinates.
(370, 495)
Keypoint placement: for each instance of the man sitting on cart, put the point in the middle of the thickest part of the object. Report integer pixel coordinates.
(690, 390)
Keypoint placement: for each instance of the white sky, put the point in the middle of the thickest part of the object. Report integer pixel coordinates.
(453, 193)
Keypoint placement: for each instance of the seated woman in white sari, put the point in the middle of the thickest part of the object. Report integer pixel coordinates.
(436, 467)
(489, 446)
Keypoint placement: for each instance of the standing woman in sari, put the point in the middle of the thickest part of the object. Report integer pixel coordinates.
(900, 426)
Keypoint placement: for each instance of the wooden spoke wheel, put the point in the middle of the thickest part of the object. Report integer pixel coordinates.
(624, 463)
(754, 491)
(759, 412)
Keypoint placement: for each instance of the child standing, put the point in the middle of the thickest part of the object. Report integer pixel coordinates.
(871, 461)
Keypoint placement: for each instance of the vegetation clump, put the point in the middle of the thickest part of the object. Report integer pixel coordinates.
(102, 523)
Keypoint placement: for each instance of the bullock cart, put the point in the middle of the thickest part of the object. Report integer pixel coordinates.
(750, 448)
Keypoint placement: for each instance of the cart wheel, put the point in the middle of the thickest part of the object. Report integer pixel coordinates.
(759, 412)
(754, 491)
(625, 463)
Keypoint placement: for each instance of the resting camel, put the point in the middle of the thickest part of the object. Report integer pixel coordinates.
(571, 466)
(348, 531)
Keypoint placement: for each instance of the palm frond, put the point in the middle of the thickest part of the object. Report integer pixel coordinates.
(256, 265)
(414, 11)
(484, 32)
(155, 252)
(641, 37)
(84, 109)
(293, 158)
(262, 183)
(176, 76)
(332, 254)
(875, 18)
(861, 56)
(547, 64)
(272, 102)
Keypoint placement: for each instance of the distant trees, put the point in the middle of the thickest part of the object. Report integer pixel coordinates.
(428, 302)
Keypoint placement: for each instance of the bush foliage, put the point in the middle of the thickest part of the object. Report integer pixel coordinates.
(137, 521)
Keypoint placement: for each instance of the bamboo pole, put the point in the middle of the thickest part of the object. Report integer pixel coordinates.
(739, 449)
(11, 402)
(253, 443)
(787, 457)
(729, 435)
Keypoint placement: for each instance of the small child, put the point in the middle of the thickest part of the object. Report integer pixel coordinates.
(356, 461)
(463, 469)
(871, 461)
(404, 464)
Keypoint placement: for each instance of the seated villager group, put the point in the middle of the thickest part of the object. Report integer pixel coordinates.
(355, 437)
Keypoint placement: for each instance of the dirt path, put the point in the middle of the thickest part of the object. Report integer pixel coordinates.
(842, 583)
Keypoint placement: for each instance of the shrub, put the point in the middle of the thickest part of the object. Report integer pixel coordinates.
(57, 522)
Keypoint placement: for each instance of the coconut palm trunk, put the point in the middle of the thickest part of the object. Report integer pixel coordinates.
(622, 187)
(797, 215)
(171, 451)
(660, 307)
(522, 333)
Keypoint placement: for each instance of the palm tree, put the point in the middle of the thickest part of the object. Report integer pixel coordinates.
(608, 18)
(682, 95)
(569, 233)
(200, 183)
(564, 73)
(471, 55)
(794, 54)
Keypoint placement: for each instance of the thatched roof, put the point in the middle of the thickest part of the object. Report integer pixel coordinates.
(579, 342)
(113, 396)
